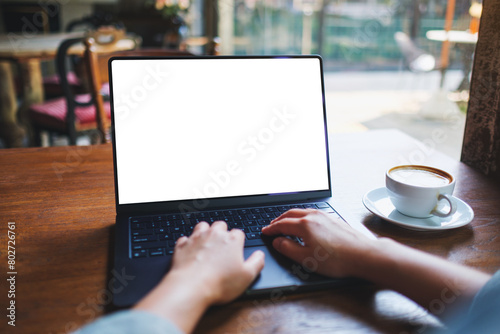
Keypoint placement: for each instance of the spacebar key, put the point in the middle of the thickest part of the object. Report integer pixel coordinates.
(254, 242)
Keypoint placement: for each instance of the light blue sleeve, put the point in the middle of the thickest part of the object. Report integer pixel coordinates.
(484, 313)
(130, 322)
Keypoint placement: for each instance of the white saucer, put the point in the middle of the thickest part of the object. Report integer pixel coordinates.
(378, 202)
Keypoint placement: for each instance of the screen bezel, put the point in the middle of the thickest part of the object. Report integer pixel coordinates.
(217, 202)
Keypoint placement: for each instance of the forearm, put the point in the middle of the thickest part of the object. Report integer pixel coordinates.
(181, 303)
(429, 280)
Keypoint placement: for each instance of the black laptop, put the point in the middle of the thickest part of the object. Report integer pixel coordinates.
(239, 139)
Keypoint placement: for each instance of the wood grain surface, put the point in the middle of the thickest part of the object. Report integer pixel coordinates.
(62, 202)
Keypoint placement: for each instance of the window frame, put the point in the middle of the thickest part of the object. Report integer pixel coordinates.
(481, 145)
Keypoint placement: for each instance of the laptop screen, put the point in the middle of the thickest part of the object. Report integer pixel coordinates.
(194, 128)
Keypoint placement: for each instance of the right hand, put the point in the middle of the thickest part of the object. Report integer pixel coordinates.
(330, 246)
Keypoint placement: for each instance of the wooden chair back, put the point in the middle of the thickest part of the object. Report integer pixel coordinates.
(97, 44)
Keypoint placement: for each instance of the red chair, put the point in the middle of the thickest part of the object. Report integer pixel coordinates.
(78, 114)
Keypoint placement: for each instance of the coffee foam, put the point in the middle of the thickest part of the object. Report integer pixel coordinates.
(419, 177)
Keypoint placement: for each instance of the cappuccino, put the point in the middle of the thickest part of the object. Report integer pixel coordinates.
(416, 190)
(421, 177)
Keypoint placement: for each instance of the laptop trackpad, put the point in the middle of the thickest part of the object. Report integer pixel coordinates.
(280, 272)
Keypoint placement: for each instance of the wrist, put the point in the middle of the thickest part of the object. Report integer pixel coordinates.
(179, 302)
(189, 286)
(374, 258)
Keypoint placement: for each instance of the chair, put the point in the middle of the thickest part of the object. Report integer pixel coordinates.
(77, 114)
(438, 107)
(416, 59)
(52, 84)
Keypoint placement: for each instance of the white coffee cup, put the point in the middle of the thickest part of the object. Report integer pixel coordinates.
(417, 191)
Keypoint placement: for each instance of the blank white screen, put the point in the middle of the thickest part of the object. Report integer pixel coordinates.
(205, 128)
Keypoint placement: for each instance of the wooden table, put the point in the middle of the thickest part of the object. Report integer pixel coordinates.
(62, 202)
(466, 43)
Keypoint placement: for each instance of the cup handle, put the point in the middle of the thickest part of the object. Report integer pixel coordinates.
(451, 201)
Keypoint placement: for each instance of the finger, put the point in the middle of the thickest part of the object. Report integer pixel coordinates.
(254, 264)
(220, 225)
(287, 226)
(290, 249)
(181, 241)
(200, 227)
(238, 235)
(292, 213)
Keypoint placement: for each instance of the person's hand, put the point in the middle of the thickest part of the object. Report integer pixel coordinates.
(329, 246)
(214, 256)
(207, 268)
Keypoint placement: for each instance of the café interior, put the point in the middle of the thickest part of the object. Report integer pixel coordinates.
(406, 83)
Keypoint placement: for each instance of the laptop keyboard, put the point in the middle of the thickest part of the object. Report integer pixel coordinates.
(152, 236)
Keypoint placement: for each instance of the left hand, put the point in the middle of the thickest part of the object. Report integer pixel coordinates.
(207, 268)
(214, 256)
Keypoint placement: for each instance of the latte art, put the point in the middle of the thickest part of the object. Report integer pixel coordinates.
(419, 177)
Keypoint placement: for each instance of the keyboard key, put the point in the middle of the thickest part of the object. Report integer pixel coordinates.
(143, 238)
(322, 205)
(153, 224)
(253, 235)
(178, 235)
(257, 210)
(139, 253)
(215, 214)
(309, 206)
(201, 215)
(143, 219)
(166, 236)
(188, 215)
(136, 226)
(250, 223)
(236, 224)
(143, 232)
(156, 252)
(284, 208)
(269, 216)
(255, 228)
(263, 221)
(165, 224)
(271, 209)
(177, 229)
(254, 242)
(244, 212)
(297, 206)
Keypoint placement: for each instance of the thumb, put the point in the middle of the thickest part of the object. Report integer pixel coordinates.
(255, 263)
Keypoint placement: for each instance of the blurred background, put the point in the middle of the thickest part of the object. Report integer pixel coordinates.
(388, 63)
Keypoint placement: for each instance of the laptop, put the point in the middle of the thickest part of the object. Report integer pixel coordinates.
(240, 138)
